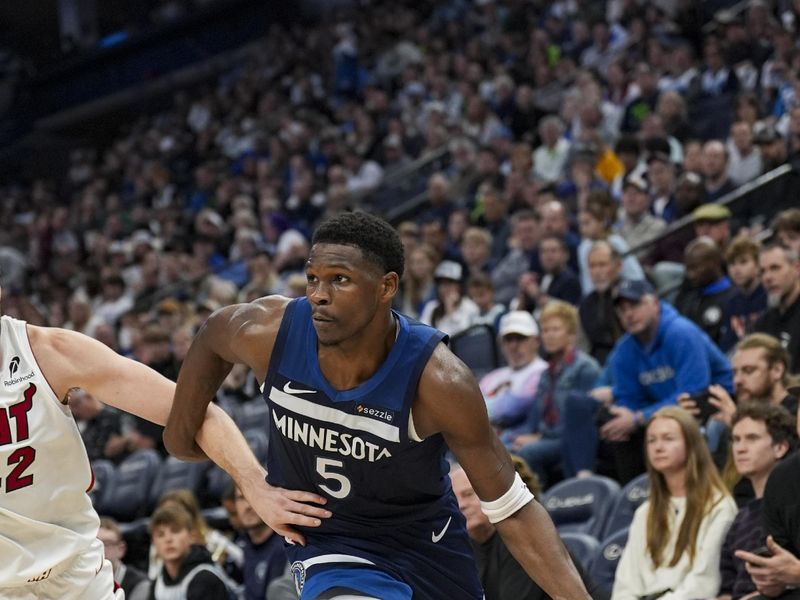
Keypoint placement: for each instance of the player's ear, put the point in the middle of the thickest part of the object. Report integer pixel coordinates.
(389, 285)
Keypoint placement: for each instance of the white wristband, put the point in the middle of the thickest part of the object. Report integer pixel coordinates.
(517, 496)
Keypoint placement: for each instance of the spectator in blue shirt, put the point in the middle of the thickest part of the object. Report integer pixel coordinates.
(661, 356)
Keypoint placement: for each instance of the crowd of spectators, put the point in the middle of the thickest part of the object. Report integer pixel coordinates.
(548, 146)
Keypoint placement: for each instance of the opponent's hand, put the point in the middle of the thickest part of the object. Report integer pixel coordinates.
(281, 508)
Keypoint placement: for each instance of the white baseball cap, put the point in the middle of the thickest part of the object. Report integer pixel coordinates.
(519, 322)
(448, 269)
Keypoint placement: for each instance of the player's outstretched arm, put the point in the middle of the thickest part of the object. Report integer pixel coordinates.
(449, 401)
(243, 333)
(70, 359)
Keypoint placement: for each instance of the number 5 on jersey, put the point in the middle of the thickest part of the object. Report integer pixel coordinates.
(21, 458)
(324, 466)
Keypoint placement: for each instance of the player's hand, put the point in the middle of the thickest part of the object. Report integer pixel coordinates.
(281, 508)
(621, 426)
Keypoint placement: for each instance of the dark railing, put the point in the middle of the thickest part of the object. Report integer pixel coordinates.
(755, 201)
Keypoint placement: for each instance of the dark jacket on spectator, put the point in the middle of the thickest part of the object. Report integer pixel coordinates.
(599, 323)
(197, 574)
(706, 306)
(746, 533)
(746, 308)
(786, 327)
(503, 578)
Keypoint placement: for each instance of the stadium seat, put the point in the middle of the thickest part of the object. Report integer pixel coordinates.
(581, 504)
(625, 504)
(217, 481)
(581, 546)
(104, 475)
(604, 565)
(252, 415)
(128, 498)
(477, 347)
(178, 474)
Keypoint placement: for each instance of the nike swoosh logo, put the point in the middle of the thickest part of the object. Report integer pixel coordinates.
(290, 390)
(435, 538)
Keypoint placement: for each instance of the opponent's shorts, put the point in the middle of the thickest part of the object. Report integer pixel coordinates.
(88, 576)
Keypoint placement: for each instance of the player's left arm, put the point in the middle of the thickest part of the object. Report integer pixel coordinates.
(449, 402)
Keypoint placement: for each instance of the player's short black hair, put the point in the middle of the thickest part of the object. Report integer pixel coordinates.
(378, 241)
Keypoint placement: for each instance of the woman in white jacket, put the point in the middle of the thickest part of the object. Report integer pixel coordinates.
(675, 539)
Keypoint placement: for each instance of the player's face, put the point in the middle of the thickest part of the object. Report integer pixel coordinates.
(666, 448)
(345, 291)
(171, 542)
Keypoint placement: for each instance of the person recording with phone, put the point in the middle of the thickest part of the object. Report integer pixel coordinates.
(760, 370)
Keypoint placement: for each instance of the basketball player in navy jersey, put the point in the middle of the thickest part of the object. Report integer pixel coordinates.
(48, 527)
(362, 405)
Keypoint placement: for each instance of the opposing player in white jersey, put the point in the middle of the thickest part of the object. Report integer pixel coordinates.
(48, 527)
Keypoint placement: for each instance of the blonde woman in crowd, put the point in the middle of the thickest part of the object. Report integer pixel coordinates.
(417, 286)
(676, 536)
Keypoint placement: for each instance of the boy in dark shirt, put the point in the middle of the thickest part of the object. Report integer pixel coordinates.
(761, 436)
(778, 575)
(188, 572)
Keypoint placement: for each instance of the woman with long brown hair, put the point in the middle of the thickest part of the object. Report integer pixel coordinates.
(676, 536)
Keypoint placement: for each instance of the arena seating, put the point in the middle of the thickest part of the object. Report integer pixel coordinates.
(581, 504)
(604, 565)
(582, 546)
(625, 504)
(176, 474)
(477, 347)
(104, 475)
(128, 497)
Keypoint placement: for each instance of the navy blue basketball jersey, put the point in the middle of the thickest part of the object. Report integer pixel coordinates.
(396, 531)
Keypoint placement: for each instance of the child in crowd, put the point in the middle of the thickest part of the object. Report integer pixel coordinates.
(188, 573)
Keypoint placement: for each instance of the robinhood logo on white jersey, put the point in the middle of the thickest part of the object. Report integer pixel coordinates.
(13, 367)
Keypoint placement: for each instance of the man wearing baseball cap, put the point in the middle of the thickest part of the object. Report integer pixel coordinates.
(509, 390)
(661, 356)
(637, 224)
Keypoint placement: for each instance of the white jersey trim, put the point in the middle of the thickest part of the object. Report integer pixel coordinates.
(332, 415)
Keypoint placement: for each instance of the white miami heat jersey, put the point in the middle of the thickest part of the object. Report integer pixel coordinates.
(46, 516)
